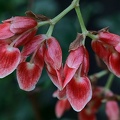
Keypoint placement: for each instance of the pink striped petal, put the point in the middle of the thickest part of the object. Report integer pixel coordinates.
(53, 53)
(55, 76)
(79, 92)
(114, 63)
(99, 49)
(109, 38)
(61, 107)
(24, 38)
(112, 110)
(32, 45)
(9, 59)
(73, 62)
(21, 24)
(28, 75)
(5, 31)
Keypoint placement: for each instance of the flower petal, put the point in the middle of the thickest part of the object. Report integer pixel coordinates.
(112, 110)
(21, 24)
(61, 107)
(9, 59)
(5, 31)
(53, 53)
(32, 45)
(28, 75)
(24, 38)
(114, 63)
(79, 92)
(73, 62)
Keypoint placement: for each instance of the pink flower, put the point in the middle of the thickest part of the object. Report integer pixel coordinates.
(14, 32)
(53, 61)
(78, 89)
(28, 73)
(108, 43)
(111, 107)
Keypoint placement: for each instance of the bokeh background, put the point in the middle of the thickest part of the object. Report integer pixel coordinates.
(39, 104)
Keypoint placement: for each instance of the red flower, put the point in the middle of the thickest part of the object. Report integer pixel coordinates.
(78, 89)
(53, 61)
(19, 25)
(9, 59)
(107, 48)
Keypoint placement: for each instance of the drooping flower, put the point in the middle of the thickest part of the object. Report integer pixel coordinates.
(53, 61)
(107, 48)
(14, 32)
(28, 73)
(76, 86)
(111, 106)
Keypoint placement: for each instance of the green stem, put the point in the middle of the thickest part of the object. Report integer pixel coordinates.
(50, 30)
(80, 18)
(109, 81)
(61, 15)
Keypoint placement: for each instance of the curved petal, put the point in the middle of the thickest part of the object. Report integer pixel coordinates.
(5, 31)
(73, 62)
(61, 107)
(53, 53)
(9, 59)
(112, 110)
(79, 92)
(28, 75)
(114, 63)
(21, 24)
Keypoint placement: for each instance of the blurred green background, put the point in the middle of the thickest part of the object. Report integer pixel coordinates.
(39, 104)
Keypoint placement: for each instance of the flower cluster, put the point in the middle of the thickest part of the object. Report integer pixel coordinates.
(107, 47)
(70, 79)
(89, 112)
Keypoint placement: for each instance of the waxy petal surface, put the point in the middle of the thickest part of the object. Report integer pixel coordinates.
(53, 53)
(114, 65)
(28, 75)
(32, 45)
(55, 76)
(21, 24)
(9, 59)
(5, 31)
(109, 38)
(73, 62)
(79, 92)
(25, 37)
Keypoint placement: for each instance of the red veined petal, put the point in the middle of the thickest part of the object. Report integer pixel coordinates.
(28, 75)
(79, 92)
(109, 38)
(5, 31)
(21, 24)
(25, 37)
(73, 62)
(114, 63)
(32, 45)
(9, 59)
(55, 76)
(53, 53)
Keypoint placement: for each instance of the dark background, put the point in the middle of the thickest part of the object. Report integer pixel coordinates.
(39, 104)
